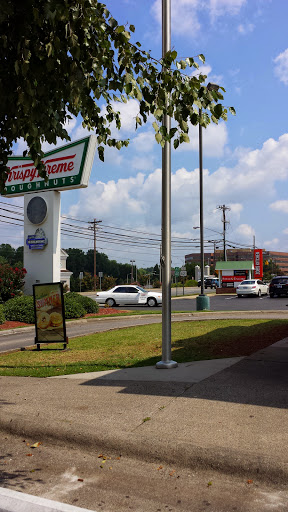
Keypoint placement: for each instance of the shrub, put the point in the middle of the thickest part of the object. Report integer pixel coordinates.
(2, 314)
(108, 282)
(20, 309)
(73, 307)
(87, 282)
(191, 282)
(88, 304)
(11, 281)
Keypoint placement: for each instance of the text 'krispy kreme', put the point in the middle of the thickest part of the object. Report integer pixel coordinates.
(28, 172)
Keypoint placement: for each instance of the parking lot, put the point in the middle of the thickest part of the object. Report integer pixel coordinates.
(223, 303)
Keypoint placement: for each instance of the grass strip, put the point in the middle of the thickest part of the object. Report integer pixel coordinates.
(141, 346)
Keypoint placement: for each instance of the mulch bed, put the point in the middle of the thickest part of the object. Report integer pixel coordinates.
(104, 311)
(107, 311)
(12, 325)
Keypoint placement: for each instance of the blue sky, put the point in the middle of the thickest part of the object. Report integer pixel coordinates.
(245, 160)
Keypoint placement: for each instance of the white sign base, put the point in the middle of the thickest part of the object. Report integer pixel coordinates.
(43, 265)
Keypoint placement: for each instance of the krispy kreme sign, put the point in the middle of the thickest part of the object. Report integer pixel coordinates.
(66, 167)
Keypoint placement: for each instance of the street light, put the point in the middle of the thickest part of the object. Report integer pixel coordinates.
(166, 361)
(202, 301)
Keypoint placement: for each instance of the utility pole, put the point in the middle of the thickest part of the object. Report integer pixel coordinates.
(94, 227)
(132, 261)
(224, 209)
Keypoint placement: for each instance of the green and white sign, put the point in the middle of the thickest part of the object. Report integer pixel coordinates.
(67, 167)
(177, 271)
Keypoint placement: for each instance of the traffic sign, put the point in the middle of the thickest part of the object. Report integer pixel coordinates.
(183, 273)
(177, 271)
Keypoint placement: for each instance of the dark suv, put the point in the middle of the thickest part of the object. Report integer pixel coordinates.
(210, 282)
(278, 286)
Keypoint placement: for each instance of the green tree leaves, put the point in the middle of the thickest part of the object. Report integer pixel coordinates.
(60, 58)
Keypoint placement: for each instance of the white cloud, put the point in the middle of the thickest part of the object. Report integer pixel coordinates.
(142, 163)
(222, 7)
(281, 66)
(128, 112)
(274, 243)
(236, 209)
(186, 13)
(205, 69)
(245, 232)
(20, 146)
(183, 14)
(144, 142)
(281, 206)
(136, 201)
(246, 28)
(110, 200)
(215, 138)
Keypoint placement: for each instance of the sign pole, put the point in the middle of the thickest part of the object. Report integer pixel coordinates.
(166, 361)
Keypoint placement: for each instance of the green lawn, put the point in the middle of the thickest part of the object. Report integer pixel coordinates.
(141, 346)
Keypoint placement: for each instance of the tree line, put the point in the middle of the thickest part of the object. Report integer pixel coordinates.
(113, 272)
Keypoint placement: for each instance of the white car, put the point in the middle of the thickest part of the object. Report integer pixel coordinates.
(252, 287)
(128, 294)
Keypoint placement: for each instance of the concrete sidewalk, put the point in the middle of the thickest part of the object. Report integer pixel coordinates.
(229, 415)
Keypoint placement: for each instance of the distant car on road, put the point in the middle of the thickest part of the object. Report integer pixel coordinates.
(129, 295)
(252, 287)
(278, 286)
(209, 282)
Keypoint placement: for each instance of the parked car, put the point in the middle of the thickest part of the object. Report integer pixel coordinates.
(129, 295)
(252, 287)
(209, 282)
(278, 286)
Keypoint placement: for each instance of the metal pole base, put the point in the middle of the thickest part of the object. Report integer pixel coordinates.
(202, 303)
(166, 364)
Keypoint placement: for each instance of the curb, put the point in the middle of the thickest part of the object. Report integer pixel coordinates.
(13, 501)
(140, 447)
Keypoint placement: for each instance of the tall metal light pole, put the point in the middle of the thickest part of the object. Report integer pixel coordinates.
(202, 301)
(166, 361)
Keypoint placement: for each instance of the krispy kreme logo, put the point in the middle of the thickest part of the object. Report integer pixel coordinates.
(27, 173)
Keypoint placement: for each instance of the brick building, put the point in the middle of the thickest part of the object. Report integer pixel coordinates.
(210, 258)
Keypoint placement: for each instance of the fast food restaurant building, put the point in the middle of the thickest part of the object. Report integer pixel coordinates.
(231, 273)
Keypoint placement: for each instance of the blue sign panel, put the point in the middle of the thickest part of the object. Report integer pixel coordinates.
(37, 241)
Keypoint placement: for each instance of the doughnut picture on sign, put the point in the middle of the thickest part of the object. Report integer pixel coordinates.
(49, 313)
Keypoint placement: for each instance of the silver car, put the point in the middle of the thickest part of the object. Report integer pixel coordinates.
(129, 295)
(252, 287)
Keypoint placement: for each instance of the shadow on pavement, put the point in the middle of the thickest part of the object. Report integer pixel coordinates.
(250, 381)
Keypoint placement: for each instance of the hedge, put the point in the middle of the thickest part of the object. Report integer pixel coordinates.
(73, 307)
(2, 314)
(20, 309)
(88, 304)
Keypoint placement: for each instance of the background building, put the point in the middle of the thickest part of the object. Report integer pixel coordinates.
(65, 274)
(210, 258)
